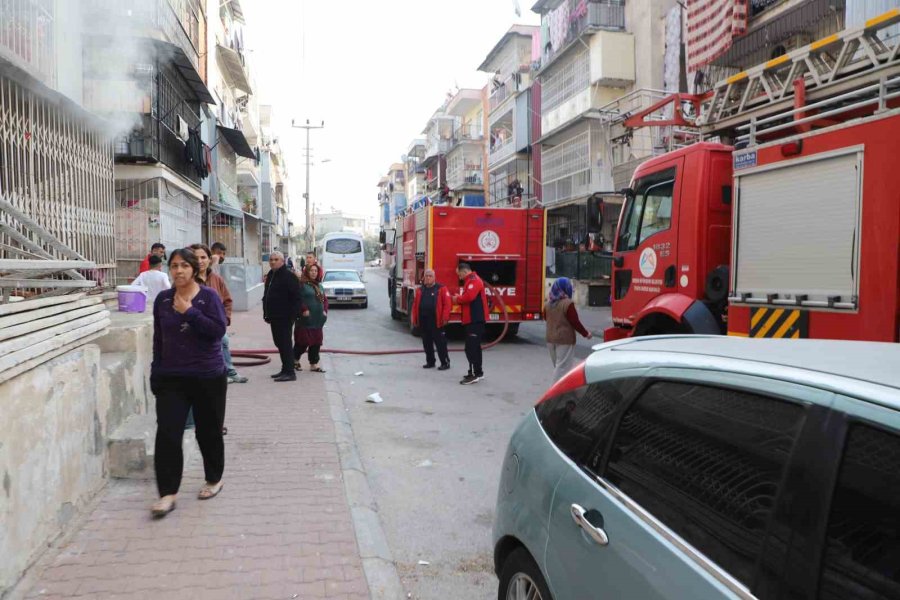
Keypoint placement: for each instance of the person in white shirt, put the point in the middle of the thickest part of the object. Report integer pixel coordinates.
(154, 280)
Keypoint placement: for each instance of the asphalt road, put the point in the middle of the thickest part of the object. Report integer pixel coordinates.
(433, 449)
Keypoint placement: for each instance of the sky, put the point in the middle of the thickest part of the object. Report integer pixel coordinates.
(373, 71)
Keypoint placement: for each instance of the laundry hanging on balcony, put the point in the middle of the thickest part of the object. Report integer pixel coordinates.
(195, 154)
(712, 26)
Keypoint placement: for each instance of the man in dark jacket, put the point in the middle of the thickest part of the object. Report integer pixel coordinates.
(281, 306)
(474, 304)
(431, 313)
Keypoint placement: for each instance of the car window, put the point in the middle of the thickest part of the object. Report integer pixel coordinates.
(707, 462)
(341, 276)
(576, 421)
(862, 546)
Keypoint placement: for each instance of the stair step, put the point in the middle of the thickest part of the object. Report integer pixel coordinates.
(131, 447)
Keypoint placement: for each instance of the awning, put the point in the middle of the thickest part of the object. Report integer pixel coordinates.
(234, 68)
(187, 70)
(237, 141)
(224, 208)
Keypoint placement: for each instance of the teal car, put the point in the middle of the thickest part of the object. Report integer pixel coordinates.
(696, 467)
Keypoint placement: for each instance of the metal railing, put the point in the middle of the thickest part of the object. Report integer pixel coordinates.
(469, 132)
(573, 18)
(502, 149)
(569, 78)
(56, 169)
(502, 91)
(583, 265)
(27, 36)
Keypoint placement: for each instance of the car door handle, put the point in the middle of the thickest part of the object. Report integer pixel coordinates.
(596, 533)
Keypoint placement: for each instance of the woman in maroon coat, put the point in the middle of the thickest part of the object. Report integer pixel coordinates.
(308, 332)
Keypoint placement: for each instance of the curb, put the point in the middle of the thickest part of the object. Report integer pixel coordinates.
(378, 563)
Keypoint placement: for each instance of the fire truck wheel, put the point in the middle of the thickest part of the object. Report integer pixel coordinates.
(395, 314)
(657, 324)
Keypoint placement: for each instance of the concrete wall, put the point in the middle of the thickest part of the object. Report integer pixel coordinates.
(53, 436)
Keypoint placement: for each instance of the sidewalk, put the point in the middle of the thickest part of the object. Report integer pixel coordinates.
(280, 529)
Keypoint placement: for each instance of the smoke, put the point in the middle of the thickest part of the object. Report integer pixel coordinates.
(120, 59)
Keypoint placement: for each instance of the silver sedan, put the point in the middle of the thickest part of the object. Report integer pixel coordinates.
(345, 287)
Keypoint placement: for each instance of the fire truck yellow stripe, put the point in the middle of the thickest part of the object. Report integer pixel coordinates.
(738, 77)
(738, 334)
(824, 42)
(770, 321)
(757, 316)
(882, 18)
(777, 61)
(796, 335)
(788, 323)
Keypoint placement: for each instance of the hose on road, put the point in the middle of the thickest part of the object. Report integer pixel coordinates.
(260, 357)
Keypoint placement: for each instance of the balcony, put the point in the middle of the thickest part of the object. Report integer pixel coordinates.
(570, 168)
(27, 37)
(155, 19)
(572, 19)
(465, 168)
(470, 133)
(234, 66)
(508, 88)
(439, 135)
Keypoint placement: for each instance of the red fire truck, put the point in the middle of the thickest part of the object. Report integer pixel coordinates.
(793, 230)
(505, 246)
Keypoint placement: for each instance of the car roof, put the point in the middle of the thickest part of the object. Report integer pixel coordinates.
(865, 369)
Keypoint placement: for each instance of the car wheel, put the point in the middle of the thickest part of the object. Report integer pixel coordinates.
(521, 579)
(364, 304)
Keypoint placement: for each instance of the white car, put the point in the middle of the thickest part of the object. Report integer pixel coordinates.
(345, 287)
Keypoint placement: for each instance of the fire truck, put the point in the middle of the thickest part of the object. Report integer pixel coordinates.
(791, 230)
(505, 246)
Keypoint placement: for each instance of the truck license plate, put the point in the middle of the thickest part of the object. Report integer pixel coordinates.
(495, 317)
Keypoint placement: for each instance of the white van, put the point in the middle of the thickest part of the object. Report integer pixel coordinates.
(343, 250)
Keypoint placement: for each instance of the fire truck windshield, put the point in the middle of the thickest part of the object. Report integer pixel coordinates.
(648, 211)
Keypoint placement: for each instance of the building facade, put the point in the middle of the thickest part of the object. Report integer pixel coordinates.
(512, 129)
(466, 159)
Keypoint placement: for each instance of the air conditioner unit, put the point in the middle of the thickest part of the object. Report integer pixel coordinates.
(181, 128)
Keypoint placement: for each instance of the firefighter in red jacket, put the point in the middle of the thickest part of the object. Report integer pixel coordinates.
(431, 313)
(474, 304)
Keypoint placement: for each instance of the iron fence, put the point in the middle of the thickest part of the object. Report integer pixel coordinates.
(56, 167)
(27, 36)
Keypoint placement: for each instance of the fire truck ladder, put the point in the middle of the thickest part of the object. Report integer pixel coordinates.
(844, 66)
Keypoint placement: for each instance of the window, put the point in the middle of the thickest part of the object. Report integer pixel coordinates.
(341, 276)
(707, 462)
(343, 246)
(862, 547)
(649, 211)
(577, 421)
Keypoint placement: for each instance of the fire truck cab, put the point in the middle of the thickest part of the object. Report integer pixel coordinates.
(794, 231)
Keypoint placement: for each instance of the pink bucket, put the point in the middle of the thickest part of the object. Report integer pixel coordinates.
(132, 298)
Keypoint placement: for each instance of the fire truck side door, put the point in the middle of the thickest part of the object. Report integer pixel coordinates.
(646, 242)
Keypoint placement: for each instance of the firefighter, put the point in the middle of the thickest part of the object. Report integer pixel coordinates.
(431, 313)
(474, 304)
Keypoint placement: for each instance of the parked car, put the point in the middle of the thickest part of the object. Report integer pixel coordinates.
(697, 467)
(345, 287)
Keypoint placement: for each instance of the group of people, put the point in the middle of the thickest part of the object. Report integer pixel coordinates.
(192, 364)
(296, 309)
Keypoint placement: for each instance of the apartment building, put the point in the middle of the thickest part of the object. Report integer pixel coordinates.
(467, 157)
(512, 101)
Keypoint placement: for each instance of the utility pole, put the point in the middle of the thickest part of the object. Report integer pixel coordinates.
(310, 243)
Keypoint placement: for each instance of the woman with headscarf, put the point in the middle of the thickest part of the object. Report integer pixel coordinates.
(308, 333)
(562, 323)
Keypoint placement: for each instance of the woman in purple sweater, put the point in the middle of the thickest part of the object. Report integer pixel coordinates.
(188, 371)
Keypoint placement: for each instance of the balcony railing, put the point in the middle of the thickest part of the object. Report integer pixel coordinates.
(502, 149)
(26, 35)
(438, 146)
(512, 85)
(459, 176)
(468, 133)
(572, 18)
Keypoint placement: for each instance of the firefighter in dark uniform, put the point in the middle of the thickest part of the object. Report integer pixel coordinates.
(431, 313)
(474, 304)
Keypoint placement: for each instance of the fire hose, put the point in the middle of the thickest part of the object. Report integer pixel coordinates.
(259, 357)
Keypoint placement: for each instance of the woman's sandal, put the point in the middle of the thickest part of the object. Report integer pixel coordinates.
(163, 506)
(297, 366)
(210, 490)
(317, 369)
